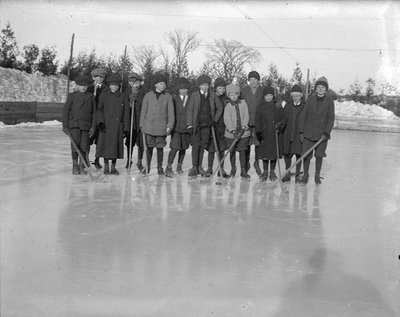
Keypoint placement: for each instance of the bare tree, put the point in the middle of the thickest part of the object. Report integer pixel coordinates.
(144, 59)
(183, 43)
(228, 58)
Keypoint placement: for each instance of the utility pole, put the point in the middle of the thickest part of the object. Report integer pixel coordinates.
(70, 61)
(123, 69)
(308, 78)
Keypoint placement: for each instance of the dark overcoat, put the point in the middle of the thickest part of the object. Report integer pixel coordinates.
(79, 111)
(113, 111)
(291, 139)
(266, 118)
(180, 111)
(317, 118)
(252, 100)
(194, 107)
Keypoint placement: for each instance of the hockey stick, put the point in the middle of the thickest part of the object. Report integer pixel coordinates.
(130, 140)
(216, 149)
(277, 153)
(300, 159)
(146, 162)
(80, 155)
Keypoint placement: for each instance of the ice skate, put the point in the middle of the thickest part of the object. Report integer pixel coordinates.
(179, 169)
(106, 170)
(272, 176)
(256, 166)
(160, 171)
(114, 170)
(193, 173)
(304, 180)
(201, 171)
(208, 172)
(75, 167)
(233, 172)
(97, 164)
(244, 175)
(286, 178)
(317, 179)
(168, 172)
(264, 176)
(140, 166)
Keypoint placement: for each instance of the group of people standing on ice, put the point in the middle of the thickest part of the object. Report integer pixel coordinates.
(221, 120)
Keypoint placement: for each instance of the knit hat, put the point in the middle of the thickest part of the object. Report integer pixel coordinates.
(219, 82)
(183, 83)
(232, 88)
(98, 72)
(83, 80)
(296, 88)
(322, 81)
(268, 90)
(203, 79)
(114, 79)
(134, 77)
(159, 78)
(254, 74)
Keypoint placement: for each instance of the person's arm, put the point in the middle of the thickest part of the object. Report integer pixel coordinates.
(170, 114)
(331, 118)
(143, 110)
(218, 108)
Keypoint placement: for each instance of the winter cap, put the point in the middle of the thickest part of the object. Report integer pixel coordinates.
(322, 81)
(160, 78)
(134, 77)
(254, 74)
(183, 83)
(268, 90)
(232, 88)
(296, 88)
(114, 79)
(219, 82)
(98, 72)
(83, 80)
(203, 79)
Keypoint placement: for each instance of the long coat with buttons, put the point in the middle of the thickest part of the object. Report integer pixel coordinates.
(291, 139)
(113, 111)
(157, 114)
(266, 118)
(79, 111)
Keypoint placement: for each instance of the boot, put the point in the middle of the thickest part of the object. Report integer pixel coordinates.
(113, 169)
(243, 174)
(257, 167)
(140, 165)
(97, 163)
(179, 169)
(106, 168)
(201, 171)
(128, 164)
(304, 180)
(193, 173)
(286, 178)
(317, 179)
(75, 167)
(160, 171)
(82, 169)
(297, 179)
(264, 175)
(222, 173)
(208, 172)
(272, 176)
(169, 172)
(233, 172)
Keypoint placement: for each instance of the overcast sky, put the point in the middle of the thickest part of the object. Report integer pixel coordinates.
(341, 40)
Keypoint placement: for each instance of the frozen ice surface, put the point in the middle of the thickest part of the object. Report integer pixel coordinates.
(122, 247)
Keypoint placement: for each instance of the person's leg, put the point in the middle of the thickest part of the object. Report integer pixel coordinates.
(200, 169)
(171, 157)
(307, 144)
(113, 169)
(181, 156)
(232, 158)
(160, 157)
(298, 168)
(264, 175)
(243, 164)
(306, 168)
(149, 157)
(318, 165)
(209, 171)
(272, 175)
(75, 165)
(106, 167)
(288, 162)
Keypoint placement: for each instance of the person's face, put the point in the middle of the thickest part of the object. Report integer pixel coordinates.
(220, 90)
(161, 86)
(204, 87)
(254, 83)
(183, 92)
(269, 98)
(296, 97)
(98, 80)
(114, 87)
(81, 88)
(134, 84)
(321, 90)
(234, 96)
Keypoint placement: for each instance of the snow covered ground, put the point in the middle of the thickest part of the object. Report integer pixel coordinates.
(119, 246)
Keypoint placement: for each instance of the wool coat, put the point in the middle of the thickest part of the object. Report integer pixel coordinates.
(252, 100)
(157, 114)
(194, 107)
(268, 115)
(99, 91)
(317, 117)
(135, 101)
(291, 139)
(180, 114)
(230, 119)
(79, 111)
(113, 112)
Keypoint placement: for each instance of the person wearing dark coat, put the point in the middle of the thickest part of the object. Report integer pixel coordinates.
(113, 123)
(268, 119)
(135, 104)
(79, 121)
(97, 88)
(291, 139)
(316, 122)
(180, 138)
(253, 94)
(204, 110)
(157, 119)
(220, 89)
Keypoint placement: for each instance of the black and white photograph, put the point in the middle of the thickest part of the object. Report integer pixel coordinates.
(199, 158)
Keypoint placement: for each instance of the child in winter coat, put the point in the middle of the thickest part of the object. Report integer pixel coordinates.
(79, 121)
(291, 139)
(204, 111)
(180, 138)
(113, 123)
(236, 119)
(269, 118)
(316, 122)
(157, 120)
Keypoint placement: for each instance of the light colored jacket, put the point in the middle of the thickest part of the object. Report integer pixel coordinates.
(230, 119)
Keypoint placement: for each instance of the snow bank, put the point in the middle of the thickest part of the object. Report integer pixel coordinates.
(20, 86)
(357, 109)
(31, 124)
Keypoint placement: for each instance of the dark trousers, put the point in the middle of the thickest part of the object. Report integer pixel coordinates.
(81, 138)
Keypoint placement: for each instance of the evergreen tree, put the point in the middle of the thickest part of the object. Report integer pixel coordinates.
(47, 64)
(8, 47)
(31, 54)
